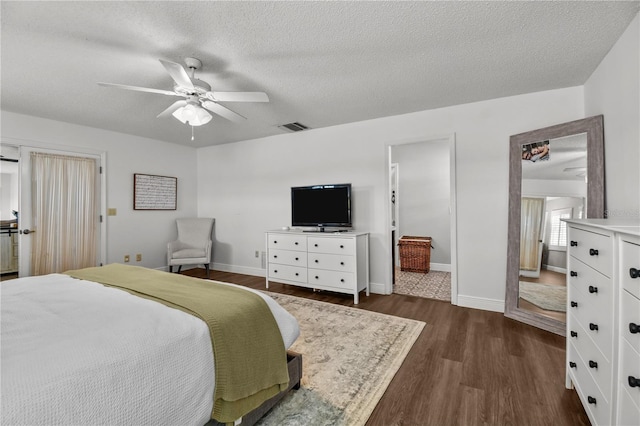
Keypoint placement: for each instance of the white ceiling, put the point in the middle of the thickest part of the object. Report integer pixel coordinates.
(321, 63)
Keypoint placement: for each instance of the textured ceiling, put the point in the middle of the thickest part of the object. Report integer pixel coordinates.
(321, 63)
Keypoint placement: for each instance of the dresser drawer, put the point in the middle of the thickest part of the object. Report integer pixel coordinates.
(597, 322)
(629, 412)
(630, 367)
(592, 248)
(630, 267)
(286, 272)
(630, 319)
(288, 257)
(287, 242)
(597, 365)
(597, 407)
(332, 245)
(324, 278)
(334, 262)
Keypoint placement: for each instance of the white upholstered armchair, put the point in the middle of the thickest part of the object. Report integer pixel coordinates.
(193, 246)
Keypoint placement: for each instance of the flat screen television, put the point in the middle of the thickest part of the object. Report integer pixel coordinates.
(321, 205)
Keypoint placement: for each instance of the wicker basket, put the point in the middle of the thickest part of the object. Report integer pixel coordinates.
(415, 254)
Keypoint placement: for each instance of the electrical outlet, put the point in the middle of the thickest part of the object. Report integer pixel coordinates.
(257, 253)
(126, 258)
(138, 257)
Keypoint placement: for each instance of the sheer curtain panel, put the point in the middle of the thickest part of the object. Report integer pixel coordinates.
(65, 213)
(530, 232)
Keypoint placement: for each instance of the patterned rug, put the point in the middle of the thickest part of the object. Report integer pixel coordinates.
(545, 296)
(432, 285)
(349, 357)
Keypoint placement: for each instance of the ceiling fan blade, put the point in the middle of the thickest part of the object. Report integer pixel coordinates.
(167, 112)
(238, 96)
(178, 74)
(139, 89)
(223, 111)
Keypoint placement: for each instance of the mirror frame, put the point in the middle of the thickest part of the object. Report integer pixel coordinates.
(594, 128)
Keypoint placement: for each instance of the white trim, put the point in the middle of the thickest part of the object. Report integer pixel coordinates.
(494, 305)
(555, 269)
(442, 267)
(388, 286)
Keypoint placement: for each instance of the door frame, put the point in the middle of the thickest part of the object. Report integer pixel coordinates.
(451, 138)
(24, 194)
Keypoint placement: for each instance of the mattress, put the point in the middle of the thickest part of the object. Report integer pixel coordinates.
(78, 353)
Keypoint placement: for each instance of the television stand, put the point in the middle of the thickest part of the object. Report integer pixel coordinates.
(327, 261)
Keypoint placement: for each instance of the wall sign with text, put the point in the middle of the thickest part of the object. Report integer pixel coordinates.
(151, 192)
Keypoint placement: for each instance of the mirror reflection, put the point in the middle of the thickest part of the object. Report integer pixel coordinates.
(554, 187)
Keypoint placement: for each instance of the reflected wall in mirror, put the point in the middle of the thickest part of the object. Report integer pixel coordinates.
(555, 173)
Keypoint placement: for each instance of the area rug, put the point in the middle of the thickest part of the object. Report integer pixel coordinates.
(432, 285)
(545, 296)
(349, 357)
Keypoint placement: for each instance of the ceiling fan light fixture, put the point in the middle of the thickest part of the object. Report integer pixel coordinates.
(192, 114)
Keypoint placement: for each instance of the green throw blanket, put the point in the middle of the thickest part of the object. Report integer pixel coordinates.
(249, 353)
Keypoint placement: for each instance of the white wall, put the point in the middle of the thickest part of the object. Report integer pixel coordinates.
(614, 91)
(423, 195)
(246, 185)
(130, 231)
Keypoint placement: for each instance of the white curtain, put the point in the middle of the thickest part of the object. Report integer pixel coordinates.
(532, 210)
(65, 213)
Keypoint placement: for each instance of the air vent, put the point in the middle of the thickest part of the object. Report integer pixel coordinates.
(293, 127)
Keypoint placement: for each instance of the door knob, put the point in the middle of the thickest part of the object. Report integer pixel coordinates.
(26, 231)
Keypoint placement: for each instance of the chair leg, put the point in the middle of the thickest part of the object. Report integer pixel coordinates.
(207, 268)
(179, 268)
(170, 268)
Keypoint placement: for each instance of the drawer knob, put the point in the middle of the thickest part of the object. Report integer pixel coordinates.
(275, 242)
(593, 252)
(593, 364)
(634, 273)
(574, 304)
(275, 271)
(591, 400)
(593, 327)
(316, 277)
(574, 244)
(297, 274)
(572, 364)
(634, 382)
(275, 256)
(593, 289)
(573, 273)
(297, 258)
(296, 243)
(574, 333)
(341, 280)
(342, 263)
(317, 261)
(341, 246)
(315, 245)
(634, 328)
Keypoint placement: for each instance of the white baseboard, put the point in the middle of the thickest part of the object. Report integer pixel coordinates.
(443, 267)
(554, 269)
(376, 288)
(493, 305)
(256, 272)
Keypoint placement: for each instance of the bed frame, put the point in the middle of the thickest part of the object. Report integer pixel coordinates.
(294, 365)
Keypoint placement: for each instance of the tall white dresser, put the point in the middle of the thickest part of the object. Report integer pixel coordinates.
(603, 318)
(320, 260)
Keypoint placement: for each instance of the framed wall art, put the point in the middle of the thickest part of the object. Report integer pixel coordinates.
(151, 192)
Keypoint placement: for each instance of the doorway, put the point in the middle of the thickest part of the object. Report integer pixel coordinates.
(9, 187)
(421, 199)
(27, 220)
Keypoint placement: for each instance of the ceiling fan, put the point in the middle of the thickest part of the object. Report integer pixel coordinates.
(199, 99)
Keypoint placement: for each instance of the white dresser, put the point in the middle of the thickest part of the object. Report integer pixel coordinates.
(325, 261)
(603, 318)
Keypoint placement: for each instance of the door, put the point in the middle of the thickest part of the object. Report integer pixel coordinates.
(59, 216)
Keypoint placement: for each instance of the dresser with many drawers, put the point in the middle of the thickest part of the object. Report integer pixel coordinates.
(325, 261)
(603, 318)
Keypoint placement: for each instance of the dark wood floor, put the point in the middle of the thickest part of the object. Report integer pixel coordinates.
(468, 367)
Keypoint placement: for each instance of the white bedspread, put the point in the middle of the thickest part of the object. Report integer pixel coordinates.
(78, 353)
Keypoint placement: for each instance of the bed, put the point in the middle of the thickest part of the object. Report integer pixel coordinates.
(78, 351)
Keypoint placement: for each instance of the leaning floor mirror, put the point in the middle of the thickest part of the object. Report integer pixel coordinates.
(554, 173)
